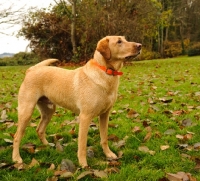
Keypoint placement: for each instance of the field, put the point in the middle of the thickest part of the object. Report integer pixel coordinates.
(154, 128)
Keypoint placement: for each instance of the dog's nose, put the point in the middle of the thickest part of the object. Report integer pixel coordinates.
(139, 46)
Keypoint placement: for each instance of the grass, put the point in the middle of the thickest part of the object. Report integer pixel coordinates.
(156, 97)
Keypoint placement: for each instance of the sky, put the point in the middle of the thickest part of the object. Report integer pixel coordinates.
(10, 43)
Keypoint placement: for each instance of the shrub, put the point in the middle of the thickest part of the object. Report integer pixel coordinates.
(148, 55)
(194, 49)
(172, 49)
(21, 58)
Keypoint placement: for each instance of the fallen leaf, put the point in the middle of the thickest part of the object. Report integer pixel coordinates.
(164, 147)
(112, 170)
(8, 140)
(114, 163)
(174, 177)
(178, 136)
(29, 147)
(197, 146)
(52, 167)
(33, 163)
(54, 178)
(119, 144)
(146, 150)
(170, 132)
(187, 122)
(100, 174)
(66, 175)
(68, 165)
(4, 116)
(166, 100)
(113, 137)
(83, 174)
(132, 114)
(147, 137)
(59, 147)
(136, 129)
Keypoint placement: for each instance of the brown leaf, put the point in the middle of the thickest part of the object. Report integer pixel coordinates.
(136, 129)
(132, 114)
(164, 147)
(66, 175)
(59, 147)
(112, 170)
(30, 147)
(83, 174)
(147, 137)
(114, 163)
(100, 174)
(113, 137)
(52, 167)
(174, 177)
(120, 143)
(54, 178)
(33, 163)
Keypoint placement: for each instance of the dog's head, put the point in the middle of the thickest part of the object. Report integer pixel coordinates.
(118, 48)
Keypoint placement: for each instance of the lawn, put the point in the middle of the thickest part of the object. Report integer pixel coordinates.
(154, 128)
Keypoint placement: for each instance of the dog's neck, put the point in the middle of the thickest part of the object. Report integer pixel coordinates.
(111, 64)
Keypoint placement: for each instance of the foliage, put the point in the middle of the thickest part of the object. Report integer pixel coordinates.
(172, 49)
(149, 55)
(154, 128)
(49, 33)
(21, 58)
(194, 49)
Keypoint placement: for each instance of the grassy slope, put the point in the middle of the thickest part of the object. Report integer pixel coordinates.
(142, 89)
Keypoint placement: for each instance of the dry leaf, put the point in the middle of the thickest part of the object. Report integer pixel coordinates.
(66, 175)
(83, 174)
(147, 137)
(100, 174)
(59, 147)
(68, 165)
(33, 163)
(174, 177)
(30, 147)
(136, 129)
(164, 147)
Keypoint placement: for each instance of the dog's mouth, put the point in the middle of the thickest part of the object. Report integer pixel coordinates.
(132, 56)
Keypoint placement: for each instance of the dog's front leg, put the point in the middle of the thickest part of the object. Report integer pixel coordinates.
(85, 121)
(104, 118)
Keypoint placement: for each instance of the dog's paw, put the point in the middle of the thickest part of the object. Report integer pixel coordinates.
(111, 156)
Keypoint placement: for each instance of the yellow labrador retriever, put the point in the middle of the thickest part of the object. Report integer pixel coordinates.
(89, 91)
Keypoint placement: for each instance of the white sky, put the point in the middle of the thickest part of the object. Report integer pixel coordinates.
(12, 44)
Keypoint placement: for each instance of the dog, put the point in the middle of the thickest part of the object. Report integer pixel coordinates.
(88, 91)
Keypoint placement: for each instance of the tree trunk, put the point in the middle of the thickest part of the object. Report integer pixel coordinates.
(73, 26)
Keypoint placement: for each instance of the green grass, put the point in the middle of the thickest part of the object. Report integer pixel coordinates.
(143, 88)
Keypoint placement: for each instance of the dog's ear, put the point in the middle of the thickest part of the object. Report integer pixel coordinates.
(103, 48)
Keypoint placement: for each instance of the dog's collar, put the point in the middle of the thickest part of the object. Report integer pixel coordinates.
(108, 71)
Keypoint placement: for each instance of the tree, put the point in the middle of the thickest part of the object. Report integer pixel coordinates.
(10, 15)
(49, 33)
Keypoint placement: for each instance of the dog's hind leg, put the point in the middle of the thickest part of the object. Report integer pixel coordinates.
(46, 109)
(25, 110)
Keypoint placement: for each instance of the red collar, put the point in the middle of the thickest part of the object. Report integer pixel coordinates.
(109, 71)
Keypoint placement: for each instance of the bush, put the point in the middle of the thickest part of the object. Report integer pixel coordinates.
(194, 49)
(21, 58)
(149, 55)
(172, 49)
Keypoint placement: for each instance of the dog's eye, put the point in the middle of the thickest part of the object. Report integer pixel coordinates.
(119, 41)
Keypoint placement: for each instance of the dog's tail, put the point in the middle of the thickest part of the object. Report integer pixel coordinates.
(46, 62)
(43, 63)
